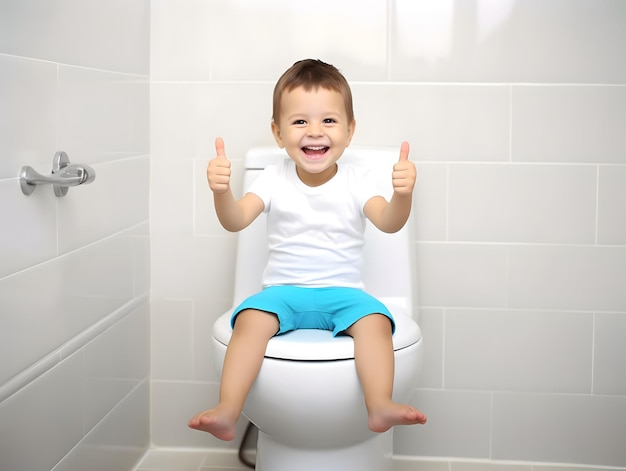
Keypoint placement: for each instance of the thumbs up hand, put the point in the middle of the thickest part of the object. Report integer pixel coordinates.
(218, 170)
(404, 172)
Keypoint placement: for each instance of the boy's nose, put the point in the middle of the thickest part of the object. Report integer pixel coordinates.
(314, 129)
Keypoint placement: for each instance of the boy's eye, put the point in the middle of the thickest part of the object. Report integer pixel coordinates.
(329, 121)
(299, 122)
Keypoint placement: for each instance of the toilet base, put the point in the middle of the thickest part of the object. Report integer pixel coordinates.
(374, 454)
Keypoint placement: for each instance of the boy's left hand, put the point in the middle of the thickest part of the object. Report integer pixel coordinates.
(404, 172)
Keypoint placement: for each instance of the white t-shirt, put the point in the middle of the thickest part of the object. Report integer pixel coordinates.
(315, 234)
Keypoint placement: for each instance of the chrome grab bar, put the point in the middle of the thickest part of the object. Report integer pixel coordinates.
(64, 174)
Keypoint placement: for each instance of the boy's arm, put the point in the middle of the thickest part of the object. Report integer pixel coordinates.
(234, 215)
(391, 216)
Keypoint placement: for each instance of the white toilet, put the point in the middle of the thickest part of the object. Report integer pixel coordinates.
(307, 401)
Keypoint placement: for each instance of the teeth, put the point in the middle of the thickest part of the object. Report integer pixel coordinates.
(315, 147)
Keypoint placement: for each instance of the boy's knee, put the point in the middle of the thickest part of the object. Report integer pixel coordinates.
(255, 319)
(372, 322)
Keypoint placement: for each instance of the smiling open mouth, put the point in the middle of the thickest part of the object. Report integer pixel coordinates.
(315, 151)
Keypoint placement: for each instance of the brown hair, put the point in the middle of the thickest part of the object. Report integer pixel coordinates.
(312, 74)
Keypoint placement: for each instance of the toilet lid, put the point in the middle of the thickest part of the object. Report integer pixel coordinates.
(320, 345)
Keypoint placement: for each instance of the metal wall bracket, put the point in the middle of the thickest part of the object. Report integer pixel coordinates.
(64, 174)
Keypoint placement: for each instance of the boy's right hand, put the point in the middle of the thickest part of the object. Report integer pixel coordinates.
(218, 170)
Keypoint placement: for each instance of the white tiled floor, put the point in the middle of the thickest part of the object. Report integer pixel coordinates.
(217, 460)
(174, 459)
(190, 459)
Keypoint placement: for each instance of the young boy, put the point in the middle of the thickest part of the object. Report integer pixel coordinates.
(316, 218)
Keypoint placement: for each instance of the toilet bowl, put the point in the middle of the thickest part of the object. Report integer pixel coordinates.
(307, 401)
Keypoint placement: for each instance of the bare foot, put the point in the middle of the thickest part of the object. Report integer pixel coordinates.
(387, 415)
(218, 422)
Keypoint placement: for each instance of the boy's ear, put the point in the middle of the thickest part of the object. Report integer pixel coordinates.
(351, 129)
(276, 133)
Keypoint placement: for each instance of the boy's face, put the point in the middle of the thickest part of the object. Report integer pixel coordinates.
(313, 127)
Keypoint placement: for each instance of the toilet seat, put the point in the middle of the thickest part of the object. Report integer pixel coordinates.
(320, 345)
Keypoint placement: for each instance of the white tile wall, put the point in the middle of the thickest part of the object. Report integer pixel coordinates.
(119, 129)
(514, 351)
(171, 352)
(51, 303)
(118, 441)
(611, 195)
(458, 425)
(588, 278)
(131, 187)
(99, 35)
(560, 41)
(114, 373)
(456, 274)
(55, 403)
(29, 86)
(443, 122)
(608, 371)
(178, 401)
(569, 123)
(74, 271)
(24, 248)
(268, 34)
(587, 429)
(515, 114)
(522, 203)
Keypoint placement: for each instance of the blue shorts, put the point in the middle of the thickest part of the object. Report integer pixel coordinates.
(296, 307)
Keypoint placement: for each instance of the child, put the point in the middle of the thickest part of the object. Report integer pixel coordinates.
(316, 218)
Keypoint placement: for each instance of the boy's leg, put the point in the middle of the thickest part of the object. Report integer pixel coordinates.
(244, 356)
(374, 356)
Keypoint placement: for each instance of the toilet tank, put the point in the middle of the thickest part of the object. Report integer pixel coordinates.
(389, 266)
